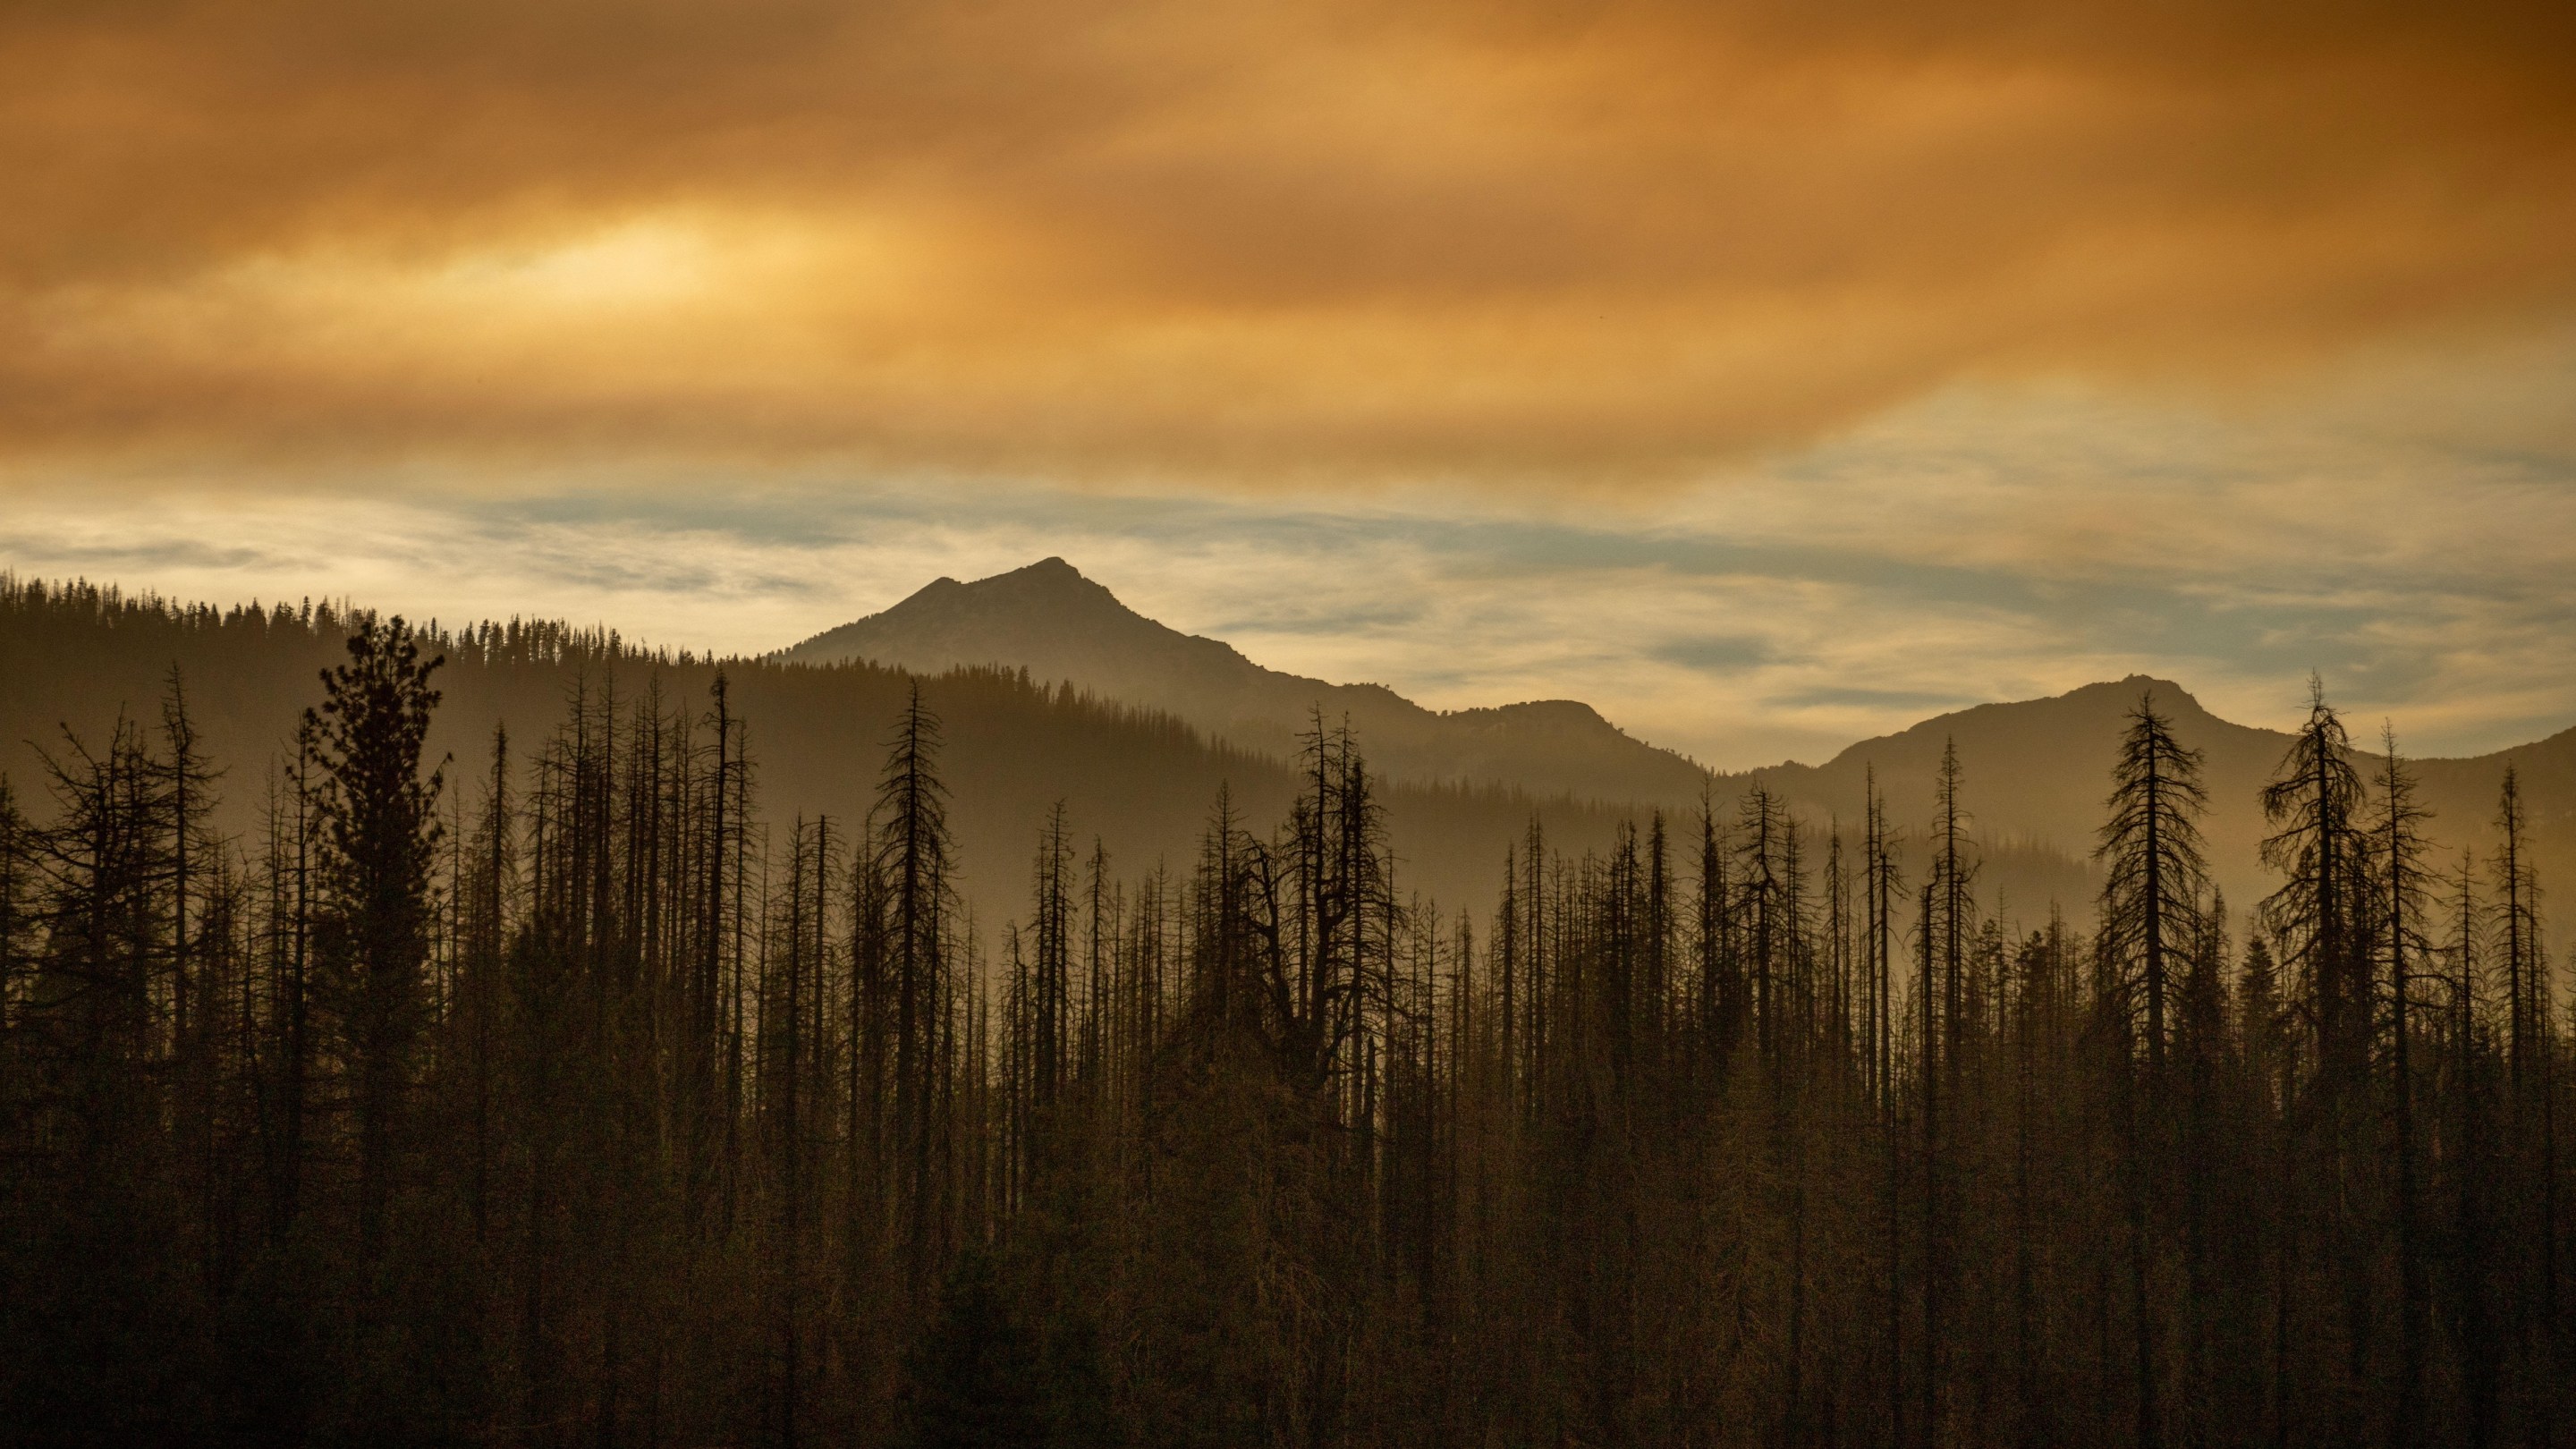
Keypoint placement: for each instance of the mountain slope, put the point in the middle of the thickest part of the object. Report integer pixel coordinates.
(1050, 620)
(2037, 771)
(72, 663)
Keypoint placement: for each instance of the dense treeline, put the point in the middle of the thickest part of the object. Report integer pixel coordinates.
(567, 1093)
(79, 655)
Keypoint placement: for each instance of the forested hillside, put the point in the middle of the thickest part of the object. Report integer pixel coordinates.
(586, 1086)
(1050, 620)
(2035, 766)
(1142, 781)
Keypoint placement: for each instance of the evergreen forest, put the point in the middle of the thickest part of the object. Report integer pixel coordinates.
(562, 1090)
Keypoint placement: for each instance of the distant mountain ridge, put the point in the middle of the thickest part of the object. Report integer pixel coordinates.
(1059, 625)
(2039, 771)
(2035, 771)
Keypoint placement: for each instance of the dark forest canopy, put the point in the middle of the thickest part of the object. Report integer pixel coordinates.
(82, 655)
(565, 1083)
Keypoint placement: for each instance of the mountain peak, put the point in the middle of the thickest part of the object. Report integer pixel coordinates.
(1047, 573)
(1049, 578)
(1049, 619)
(2132, 687)
(1045, 617)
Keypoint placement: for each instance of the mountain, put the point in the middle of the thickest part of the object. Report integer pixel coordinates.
(1058, 625)
(2035, 772)
(75, 660)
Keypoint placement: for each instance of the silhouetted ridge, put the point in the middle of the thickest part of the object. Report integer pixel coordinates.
(1059, 625)
(657, 1072)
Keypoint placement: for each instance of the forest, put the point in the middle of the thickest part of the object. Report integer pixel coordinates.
(563, 1091)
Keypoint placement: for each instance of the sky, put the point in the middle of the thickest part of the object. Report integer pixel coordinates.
(1767, 375)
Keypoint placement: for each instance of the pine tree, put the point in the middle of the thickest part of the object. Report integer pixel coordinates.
(379, 835)
(2321, 916)
(2153, 872)
(2398, 844)
(911, 828)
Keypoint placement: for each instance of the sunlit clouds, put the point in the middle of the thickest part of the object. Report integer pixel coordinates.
(1765, 374)
(1306, 242)
(1976, 546)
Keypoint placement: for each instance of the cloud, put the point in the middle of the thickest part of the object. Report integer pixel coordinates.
(1983, 544)
(1748, 369)
(1572, 244)
(1718, 654)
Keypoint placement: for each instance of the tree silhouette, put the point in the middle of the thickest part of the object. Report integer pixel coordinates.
(644, 1112)
(379, 842)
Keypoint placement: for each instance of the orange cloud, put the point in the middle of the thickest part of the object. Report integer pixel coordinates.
(1570, 241)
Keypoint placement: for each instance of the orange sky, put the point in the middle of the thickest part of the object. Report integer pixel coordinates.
(1558, 245)
(1768, 373)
